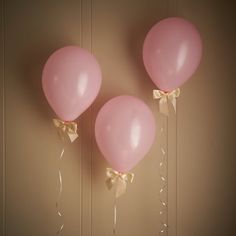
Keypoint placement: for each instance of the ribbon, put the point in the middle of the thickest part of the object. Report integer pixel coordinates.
(70, 129)
(67, 127)
(164, 97)
(118, 180)
(163, 191)
(59, 212)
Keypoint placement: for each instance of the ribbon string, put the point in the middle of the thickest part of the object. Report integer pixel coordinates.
(66, 129)
(114, 217)
(164, 97)
(59, 212)
(163, 190)
(119, 181)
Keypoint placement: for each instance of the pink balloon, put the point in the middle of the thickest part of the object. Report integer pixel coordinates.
(171, 52)
(71, 81)
(124, 131)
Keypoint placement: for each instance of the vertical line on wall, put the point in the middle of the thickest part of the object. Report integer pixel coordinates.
(167, 171)
(81, 25)
(176, 155)
(171, 10)
(92, 137)
(176, 171)
(176, 148)
(3, 119)
(167, 150)
(81, 182)
(86, 127)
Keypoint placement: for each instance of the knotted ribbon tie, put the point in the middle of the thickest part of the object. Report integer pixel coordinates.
(119, 180)
(67, 127)
(164, 97)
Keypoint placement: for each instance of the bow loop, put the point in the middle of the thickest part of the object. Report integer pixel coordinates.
(118, 180)
(67, 127)
(164, 97)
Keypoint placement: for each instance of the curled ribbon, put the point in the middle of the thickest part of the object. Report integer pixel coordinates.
(67, 127)
(59, 212)
(164, 97)
(119, 180)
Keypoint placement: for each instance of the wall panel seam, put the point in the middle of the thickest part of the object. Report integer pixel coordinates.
(81, 159)
(3, 119)
(92, 137)
(172, 10)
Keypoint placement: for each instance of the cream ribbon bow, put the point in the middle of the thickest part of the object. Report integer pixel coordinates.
(164, 97)
(119, 180)
(67, 127)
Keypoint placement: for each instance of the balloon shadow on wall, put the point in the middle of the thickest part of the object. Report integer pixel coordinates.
(96, 163)
(32, 70)
(30, 74)
(135, 46)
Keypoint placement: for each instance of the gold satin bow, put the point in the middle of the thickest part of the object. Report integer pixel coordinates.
(119, 180)
(67, 127)
(164, 97)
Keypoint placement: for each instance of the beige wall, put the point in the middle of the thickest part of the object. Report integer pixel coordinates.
(201, 138)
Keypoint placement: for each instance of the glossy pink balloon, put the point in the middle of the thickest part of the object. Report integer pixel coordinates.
(124, 130)
(171, 52)
(71, 81)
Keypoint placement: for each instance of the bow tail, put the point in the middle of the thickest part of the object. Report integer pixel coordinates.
(72, 137)
(61, 134)
(120, 187)
(109, 183)
(173, 102)
(163, 106)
